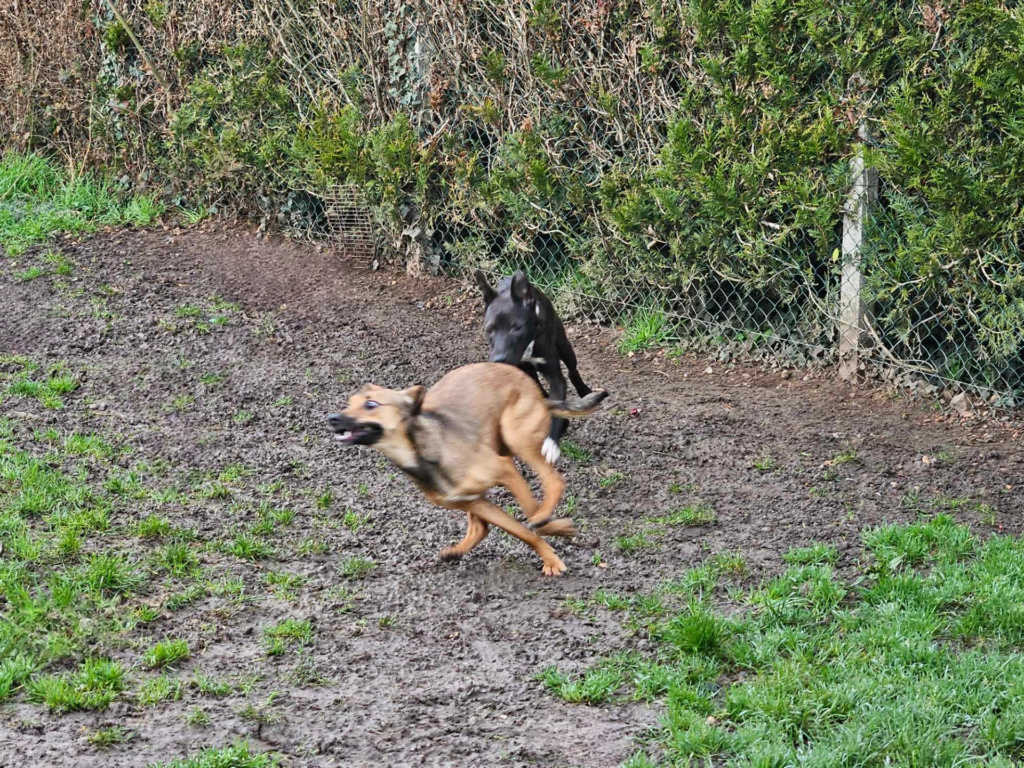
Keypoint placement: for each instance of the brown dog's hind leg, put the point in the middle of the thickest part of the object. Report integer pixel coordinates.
(524, 434)
(476, 531)
(518, 487)
(488, 513)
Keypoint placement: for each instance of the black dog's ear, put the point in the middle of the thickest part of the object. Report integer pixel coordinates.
(485, 287)
(521, 288)
(415, 395)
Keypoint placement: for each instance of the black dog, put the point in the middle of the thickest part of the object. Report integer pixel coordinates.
(523, 330)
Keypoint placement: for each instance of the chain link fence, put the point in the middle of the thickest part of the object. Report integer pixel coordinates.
(859, 308)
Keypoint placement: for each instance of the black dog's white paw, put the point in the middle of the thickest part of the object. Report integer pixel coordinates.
(551, 451)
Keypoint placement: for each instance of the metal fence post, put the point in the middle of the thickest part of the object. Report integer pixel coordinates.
(853, 308)
(419, 56)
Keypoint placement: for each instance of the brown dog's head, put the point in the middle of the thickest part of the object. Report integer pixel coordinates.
(377, 416)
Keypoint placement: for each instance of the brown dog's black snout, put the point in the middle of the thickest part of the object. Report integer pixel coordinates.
(339, 423)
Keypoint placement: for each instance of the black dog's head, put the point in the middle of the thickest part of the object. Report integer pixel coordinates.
(510, 317)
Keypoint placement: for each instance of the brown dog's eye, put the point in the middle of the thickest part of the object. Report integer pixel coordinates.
(370, 405)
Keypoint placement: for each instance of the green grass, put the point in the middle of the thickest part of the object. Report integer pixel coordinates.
(815, 554)
(178, 559)
(197, 718)
(611, 479)
(234, 756)
(166, 653)
(765, 462)
(633, 543)
(49, 389)
(153, 527)
(104, 738)
(248, 546)
(646, 329)
(573, 451)
(97, 683)
(354, 521)
(291, 630)
(159, 689)
(914, 661)
(356, 568)
(695, 514)
(38, 199)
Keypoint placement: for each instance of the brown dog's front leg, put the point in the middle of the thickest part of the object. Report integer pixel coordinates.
(488, 513)
(476, 531)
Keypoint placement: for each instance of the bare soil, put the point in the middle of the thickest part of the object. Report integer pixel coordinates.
(449, 678)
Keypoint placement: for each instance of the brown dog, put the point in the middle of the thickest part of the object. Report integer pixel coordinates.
(458, 440)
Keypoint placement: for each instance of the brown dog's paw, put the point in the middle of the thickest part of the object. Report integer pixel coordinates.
(450, 554)
(554, 568)
(563, 527)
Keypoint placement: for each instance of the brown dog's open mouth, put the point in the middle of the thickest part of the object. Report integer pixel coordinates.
(351, 432)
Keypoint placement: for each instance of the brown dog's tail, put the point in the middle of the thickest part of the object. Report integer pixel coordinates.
(582, 407)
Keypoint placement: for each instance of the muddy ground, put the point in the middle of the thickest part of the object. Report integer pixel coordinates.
(448, 678)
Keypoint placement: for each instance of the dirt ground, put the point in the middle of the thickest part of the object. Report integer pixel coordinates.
(449, 677)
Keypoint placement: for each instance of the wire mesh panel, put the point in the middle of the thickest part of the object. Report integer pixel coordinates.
(347, 222)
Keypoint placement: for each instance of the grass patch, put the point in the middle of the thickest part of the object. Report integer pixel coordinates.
(629, 545)
(815, 554)
(166, 653)
(104, 738)
(287, 633)
(356, 568)
(39, 198)
(159, 689)
(913, 661)
(92, 687)
(248, 546)
(573, 451)
(234, 756)
(695, 514)
(647, 328)
(354, 521)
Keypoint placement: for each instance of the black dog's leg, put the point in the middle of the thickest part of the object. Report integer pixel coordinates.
(568, 355)
(552, 372)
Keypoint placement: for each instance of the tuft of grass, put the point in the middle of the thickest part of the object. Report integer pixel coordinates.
(765, 462)
(234, 756)
(694, 514)
(93, 687)
(30, 274)
(248, 546)
(289, 632)
(611, 479)
(153, 527)
(178, 559)
(815, 554)
(356, 568)
(572, 451)
(104, 738)
(646, 329)
(159, 689)
(166, 653)
(354, 521)
(284, 584)
(629, 545)
(197, 718)
(594, 687)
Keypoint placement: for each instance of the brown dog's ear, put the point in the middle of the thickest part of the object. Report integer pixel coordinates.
(521, 288)
(485, 287)
(415, 395)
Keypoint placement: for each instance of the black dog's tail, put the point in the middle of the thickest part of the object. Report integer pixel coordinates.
(583, 407)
